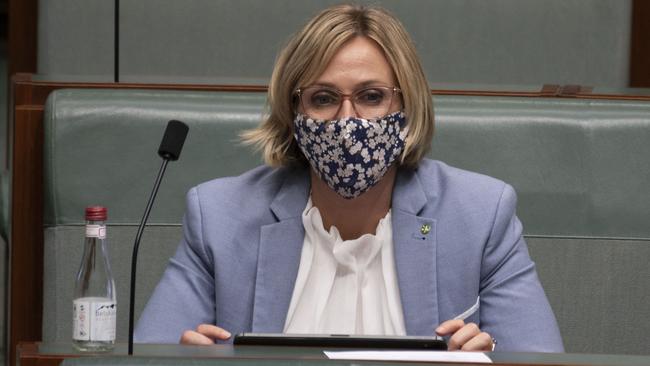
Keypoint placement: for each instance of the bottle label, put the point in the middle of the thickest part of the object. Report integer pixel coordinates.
(93, 319)
(96, 231)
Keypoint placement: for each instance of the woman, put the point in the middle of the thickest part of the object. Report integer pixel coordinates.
(349, 229)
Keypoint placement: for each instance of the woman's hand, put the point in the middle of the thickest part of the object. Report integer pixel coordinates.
(465, 337)
(205, 334)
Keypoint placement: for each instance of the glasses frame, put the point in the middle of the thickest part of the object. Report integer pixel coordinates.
(349, 96)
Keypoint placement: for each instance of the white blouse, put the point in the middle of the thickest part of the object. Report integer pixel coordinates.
(345, 286)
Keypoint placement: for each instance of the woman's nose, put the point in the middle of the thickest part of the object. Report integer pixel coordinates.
(346, 109)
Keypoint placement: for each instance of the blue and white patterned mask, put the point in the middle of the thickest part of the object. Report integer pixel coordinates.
(351, 154)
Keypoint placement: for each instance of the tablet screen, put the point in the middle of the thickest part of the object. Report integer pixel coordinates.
(341, 341)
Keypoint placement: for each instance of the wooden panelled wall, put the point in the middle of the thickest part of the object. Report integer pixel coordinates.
(640, 45)
(21, 47)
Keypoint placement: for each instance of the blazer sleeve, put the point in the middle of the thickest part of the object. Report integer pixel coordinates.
(514, 308)
(185, 296)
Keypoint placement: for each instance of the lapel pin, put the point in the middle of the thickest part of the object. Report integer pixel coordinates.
(425, 229)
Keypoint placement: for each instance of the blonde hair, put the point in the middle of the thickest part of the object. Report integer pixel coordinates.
(307, 55)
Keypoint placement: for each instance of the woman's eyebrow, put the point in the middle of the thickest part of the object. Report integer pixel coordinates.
(372, 83)
(360, 85)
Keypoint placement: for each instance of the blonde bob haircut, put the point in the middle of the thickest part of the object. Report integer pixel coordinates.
(306, 56)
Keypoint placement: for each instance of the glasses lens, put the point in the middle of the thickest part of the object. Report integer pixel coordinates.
(320, 103)
(373, 102)
(325, 103)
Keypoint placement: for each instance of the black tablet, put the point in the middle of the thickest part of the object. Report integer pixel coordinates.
(341, 341)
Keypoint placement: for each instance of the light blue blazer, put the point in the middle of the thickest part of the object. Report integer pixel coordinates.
(242, 238)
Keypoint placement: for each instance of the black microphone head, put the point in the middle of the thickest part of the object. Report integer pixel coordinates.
(172, 142)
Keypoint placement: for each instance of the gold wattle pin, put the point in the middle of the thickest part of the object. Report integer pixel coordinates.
(425, 229)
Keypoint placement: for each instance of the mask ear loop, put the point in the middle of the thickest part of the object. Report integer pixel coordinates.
(399, 93)
(301, 158)
(296, 102)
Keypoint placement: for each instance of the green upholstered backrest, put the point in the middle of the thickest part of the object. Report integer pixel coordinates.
(580, 168)
(101, 146)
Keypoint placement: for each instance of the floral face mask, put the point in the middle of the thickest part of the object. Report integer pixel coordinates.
(351, 154)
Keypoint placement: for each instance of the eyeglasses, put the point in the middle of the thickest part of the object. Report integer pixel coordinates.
(321, 102)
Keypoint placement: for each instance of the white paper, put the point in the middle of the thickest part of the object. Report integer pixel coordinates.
(426, 356)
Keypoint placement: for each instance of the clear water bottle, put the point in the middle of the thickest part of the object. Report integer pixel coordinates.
(94, 308)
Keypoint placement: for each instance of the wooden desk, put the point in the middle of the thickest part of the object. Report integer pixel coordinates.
(43, 354)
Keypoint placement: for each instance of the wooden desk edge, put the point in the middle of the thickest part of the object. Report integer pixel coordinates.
(28, 355)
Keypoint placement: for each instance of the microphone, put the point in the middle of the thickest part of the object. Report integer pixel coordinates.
(172, 142)
(169, 150)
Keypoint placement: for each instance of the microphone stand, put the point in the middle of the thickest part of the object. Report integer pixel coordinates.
(136, 245)
(170, 149)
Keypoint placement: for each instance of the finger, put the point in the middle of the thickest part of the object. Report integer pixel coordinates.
(192, 337)
(462, 336)
(480, 342)
(213, 332)
(449, 327)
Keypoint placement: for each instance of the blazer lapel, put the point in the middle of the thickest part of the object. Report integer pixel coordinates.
(414, 245)
(279, 255)
(414, 239)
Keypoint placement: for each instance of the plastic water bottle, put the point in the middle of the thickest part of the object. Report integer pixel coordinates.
(94, 307)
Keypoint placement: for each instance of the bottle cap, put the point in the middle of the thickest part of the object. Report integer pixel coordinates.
(96, 213)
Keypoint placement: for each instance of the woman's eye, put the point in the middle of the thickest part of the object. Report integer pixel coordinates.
(323, 99)
(371, 97)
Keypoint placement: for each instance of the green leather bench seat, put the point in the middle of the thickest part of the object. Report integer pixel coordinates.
(581, 169)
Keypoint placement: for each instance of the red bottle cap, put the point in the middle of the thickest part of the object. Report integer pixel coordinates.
(96, 213)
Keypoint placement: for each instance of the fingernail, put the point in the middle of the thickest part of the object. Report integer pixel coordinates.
(227, 334)
(439, 329)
